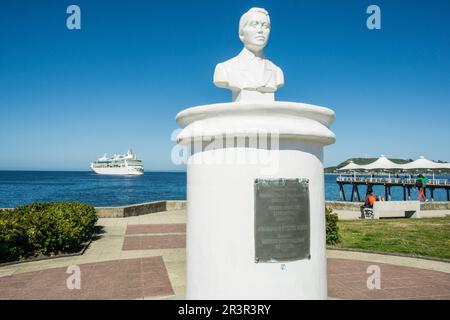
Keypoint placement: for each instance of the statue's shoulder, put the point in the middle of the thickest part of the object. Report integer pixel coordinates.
(229, 63)
(272, 65)
(222, 71)
(277, 69)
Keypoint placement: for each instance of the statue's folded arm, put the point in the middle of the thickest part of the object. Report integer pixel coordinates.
(220, 76)
(280, 78)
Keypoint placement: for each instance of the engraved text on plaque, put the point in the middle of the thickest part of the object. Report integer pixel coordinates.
(282, 223)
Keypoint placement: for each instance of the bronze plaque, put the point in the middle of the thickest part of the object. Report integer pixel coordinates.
(282, 225)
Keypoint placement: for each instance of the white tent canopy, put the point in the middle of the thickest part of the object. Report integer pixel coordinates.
(381, 163)
(422, 163)
(350, 166)
(444, 165)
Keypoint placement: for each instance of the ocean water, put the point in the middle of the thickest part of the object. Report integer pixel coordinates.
(23, 187)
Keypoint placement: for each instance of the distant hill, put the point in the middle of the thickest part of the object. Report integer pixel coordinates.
(363, 161)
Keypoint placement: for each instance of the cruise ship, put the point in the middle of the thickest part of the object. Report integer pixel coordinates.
(126, 164)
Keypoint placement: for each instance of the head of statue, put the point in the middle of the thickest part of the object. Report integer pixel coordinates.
(254, 29)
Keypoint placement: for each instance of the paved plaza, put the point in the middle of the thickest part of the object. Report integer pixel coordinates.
(144, 257)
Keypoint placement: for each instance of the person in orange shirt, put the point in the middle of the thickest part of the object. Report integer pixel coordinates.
(370, 200)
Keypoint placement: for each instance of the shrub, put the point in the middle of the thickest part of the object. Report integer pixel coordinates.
(44, 229)
(13, 242)
(332, 227)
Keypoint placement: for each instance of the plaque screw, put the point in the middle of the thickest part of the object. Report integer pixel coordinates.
(309, 256)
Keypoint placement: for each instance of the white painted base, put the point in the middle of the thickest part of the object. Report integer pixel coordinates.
(220, 196)
(220, 229)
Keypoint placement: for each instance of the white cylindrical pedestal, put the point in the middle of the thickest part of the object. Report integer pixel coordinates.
(220, 192)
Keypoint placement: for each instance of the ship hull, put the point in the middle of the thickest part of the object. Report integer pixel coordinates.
(124, 171)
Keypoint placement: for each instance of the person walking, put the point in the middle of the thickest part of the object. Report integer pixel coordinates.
(421, 183)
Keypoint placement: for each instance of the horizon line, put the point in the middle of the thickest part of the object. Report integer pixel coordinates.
(47, 170)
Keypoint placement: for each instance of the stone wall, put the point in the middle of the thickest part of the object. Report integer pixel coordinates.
(159, 206)
(435, 205)
(343, 205)
(109, 212)
(139, 209)
(176, 205)
(354, 206)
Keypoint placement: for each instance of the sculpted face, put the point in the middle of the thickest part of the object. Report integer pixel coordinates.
(255, 33)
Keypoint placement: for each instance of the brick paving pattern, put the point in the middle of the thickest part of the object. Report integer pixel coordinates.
(138, 278)
(154, 242)
(119, 279)
(175, 236)
(147, 277)
(156, 228)
(347, 279)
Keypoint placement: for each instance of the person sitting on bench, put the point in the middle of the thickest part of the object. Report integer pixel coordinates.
(370, 200)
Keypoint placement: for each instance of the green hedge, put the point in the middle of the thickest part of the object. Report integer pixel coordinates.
(45, 229)
(333, 236)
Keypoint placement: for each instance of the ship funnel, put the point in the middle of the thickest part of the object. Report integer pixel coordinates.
(130, 152)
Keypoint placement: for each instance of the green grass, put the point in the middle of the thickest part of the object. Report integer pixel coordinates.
(424, 237)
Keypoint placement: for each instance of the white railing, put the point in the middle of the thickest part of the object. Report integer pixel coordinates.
(440, 182)
(444, 182)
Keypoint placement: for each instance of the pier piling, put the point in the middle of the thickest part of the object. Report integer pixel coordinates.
(388, 183)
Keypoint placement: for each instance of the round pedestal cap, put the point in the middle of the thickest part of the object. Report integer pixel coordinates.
(286, 119)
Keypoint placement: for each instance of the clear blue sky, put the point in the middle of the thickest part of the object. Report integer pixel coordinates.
(66, 97)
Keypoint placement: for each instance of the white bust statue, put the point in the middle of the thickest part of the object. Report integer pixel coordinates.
(250, 75)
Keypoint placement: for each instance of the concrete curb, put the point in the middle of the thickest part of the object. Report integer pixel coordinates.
(405, 255)
(64, 255)
(355, 206)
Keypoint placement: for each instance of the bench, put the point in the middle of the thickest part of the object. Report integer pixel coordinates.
(396, 209)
